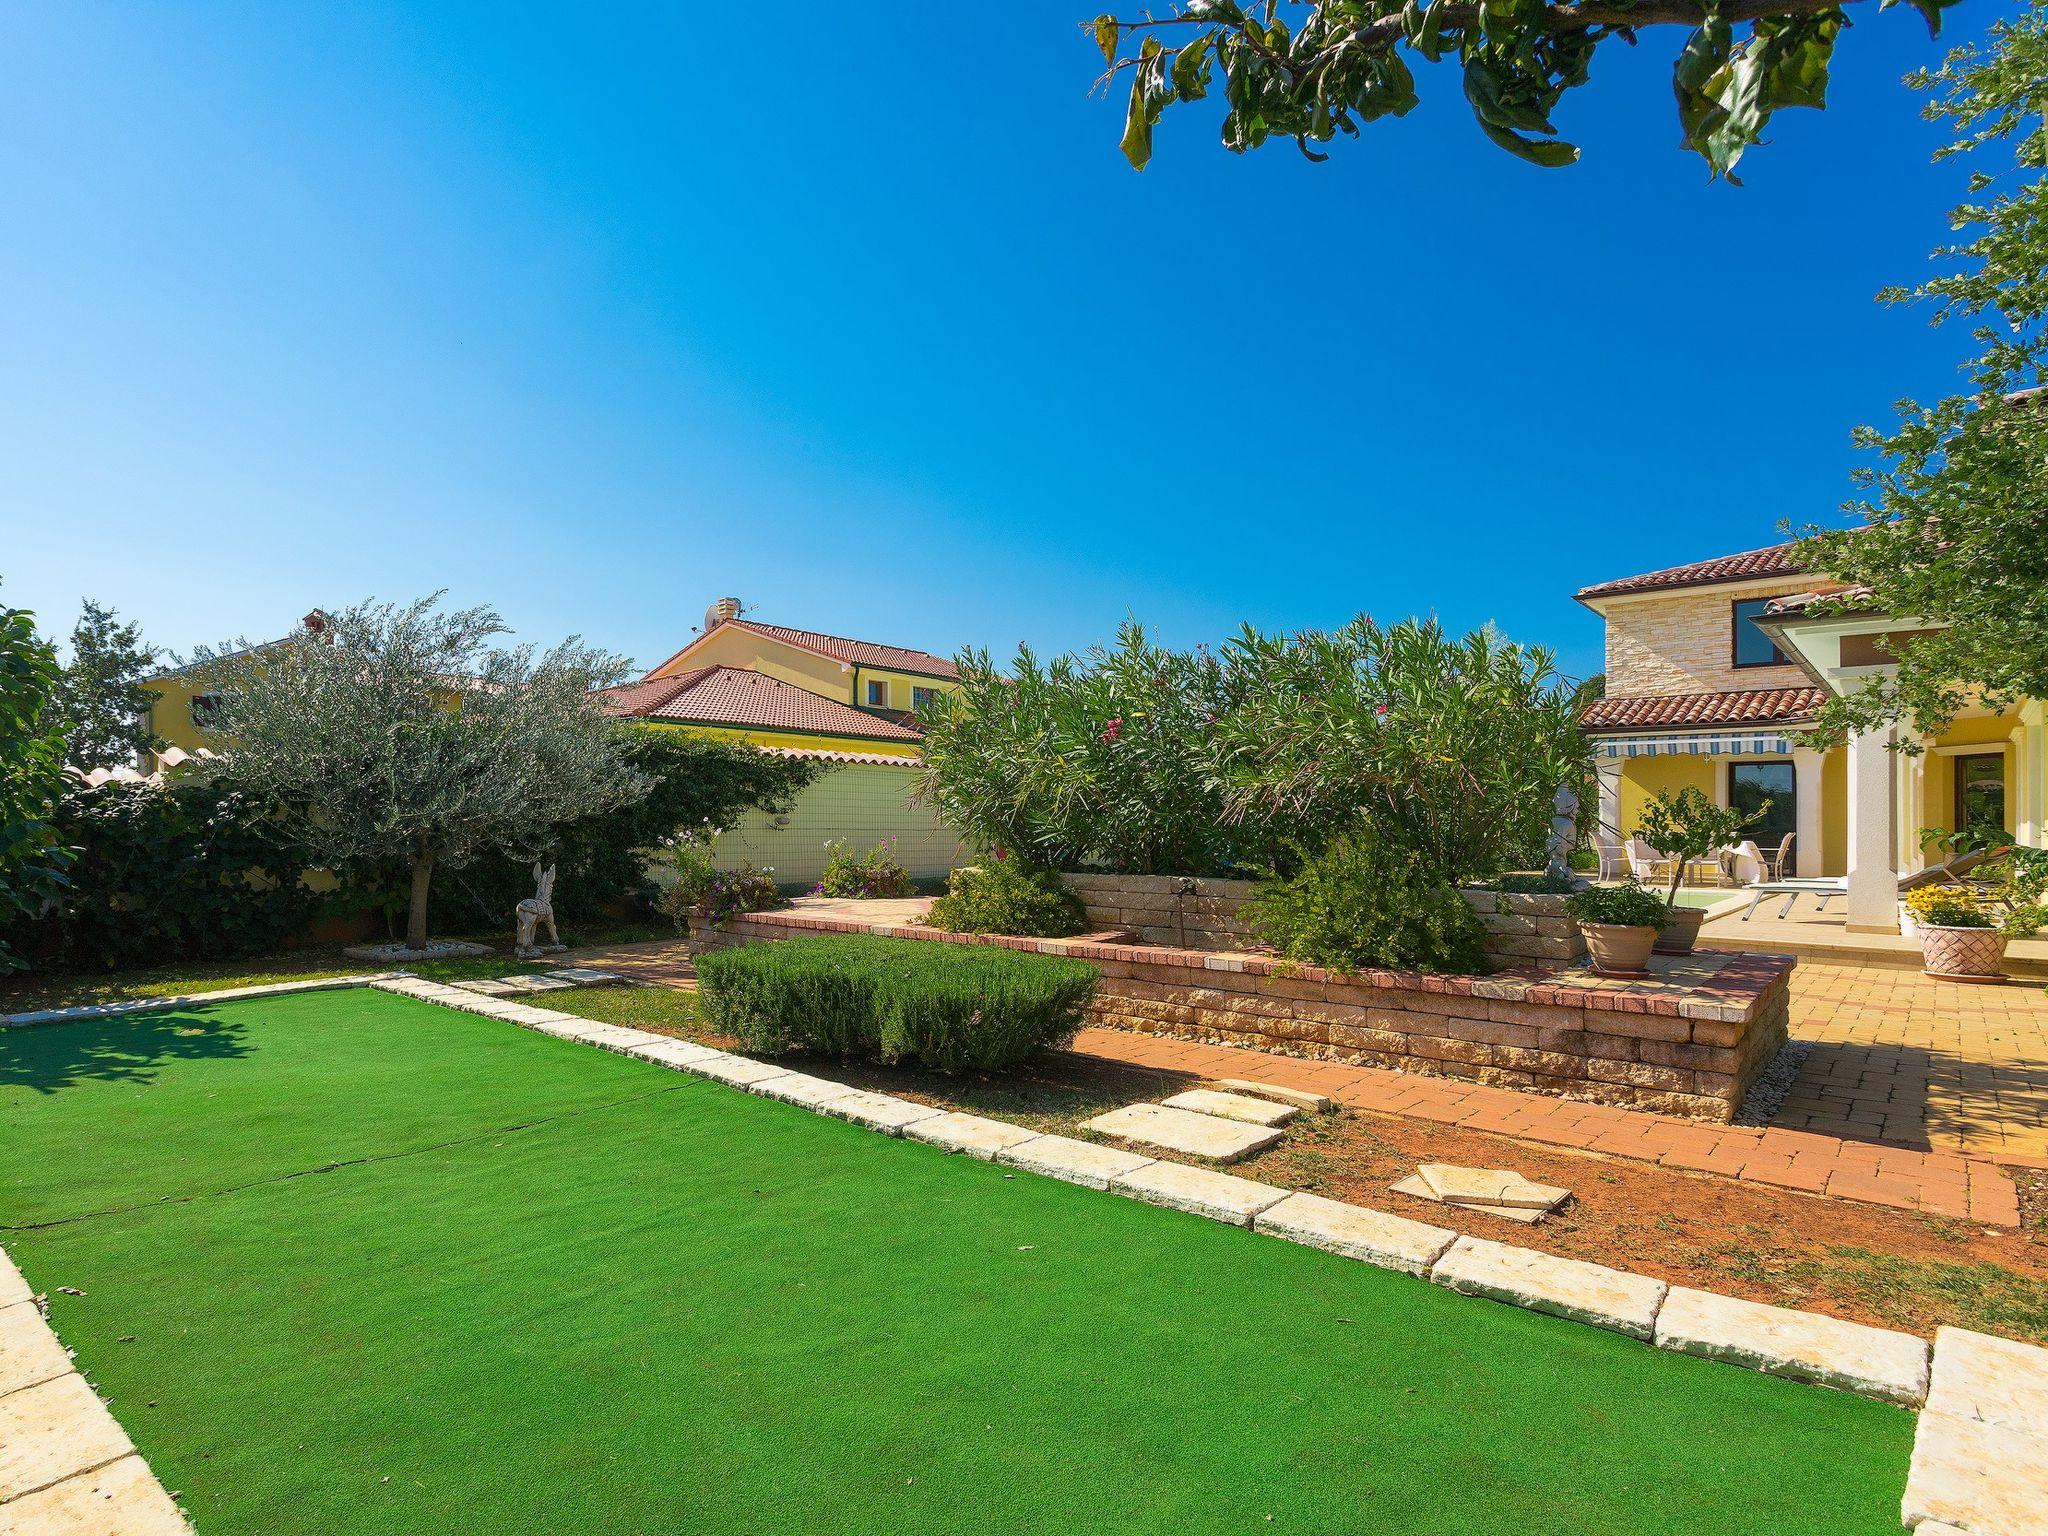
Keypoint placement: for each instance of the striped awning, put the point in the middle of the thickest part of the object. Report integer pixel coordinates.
(1696, 744)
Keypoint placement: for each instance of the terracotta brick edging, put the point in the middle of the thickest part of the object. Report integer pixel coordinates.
(1687, 1041)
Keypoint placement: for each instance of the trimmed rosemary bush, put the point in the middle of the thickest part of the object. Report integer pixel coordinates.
(1004, 896)
(945, 1006)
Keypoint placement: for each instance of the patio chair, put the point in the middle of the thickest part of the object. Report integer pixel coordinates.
(1822, 891)
(1776, 864)
(1746, 863)
(1613, 862)
(1646, 863)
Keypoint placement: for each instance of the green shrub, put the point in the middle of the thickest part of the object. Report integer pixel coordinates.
(1627, 905)
(946, 1006)
(876, 873)
(1002, 895)
(1535, 885)
(1363, 902)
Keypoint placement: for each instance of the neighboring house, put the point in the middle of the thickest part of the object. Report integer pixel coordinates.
(1713, 668)
(850, 704)
(178, 713)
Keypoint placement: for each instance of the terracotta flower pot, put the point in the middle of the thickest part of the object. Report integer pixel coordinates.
(1682, 931)
(1619, 949)
(1969, 954)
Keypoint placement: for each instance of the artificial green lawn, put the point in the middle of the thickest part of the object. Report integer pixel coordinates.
(550, 1289)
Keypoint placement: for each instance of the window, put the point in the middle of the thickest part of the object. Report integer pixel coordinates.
(1754, 648)
(203, 707)
(1980, 793)
(919, 697)
(878, 694)
(1750, 785)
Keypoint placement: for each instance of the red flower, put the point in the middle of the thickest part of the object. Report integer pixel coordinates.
(1380, 709)
(1113, 729)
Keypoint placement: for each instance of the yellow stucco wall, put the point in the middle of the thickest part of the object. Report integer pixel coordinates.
(1643, 777)
(1834, 812)
(763, 738)
(729, 646)
(857, 802)
(171, 715)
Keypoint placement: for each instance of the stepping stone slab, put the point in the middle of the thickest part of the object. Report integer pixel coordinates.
(617, 1037)
(583, 976)
(121, 1499)
(29, 1352)
(1077, 1162)
(1198, 1191)
(1182, 1130)
(878, 1111)
(1300, 1098)
(1805, 1346)
(1233, 1106)
(674, 1053)
(1542, 1282)
(1414, 1185)
(1976, 1376)
(1489, 1186)
(51, 1431)
(488, 988)
(970, 1134)
(1372, 1237)
(1984, 1478)
(739, 1071)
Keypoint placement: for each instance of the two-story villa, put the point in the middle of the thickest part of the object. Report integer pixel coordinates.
(1713, 668)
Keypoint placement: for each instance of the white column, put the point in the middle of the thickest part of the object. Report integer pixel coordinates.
(1608, 771)
(1873, 879)
(2030, 750)
(1806, 765)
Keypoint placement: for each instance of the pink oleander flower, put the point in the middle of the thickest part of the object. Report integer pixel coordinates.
(1112, 730)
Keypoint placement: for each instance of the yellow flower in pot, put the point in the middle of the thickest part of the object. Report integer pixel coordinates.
(1961, 935)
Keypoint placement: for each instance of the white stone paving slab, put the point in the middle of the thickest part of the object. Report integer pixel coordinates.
(12, 1287)
(1985, 1478)
(1300, 1098)
(878, 1111)
(584, 976)
(1805, 1346)
(674, 1053)
(617, 1037)
(51, 1431)
(1232, 1106)
(1077, 1162)
(801, 1088)
(1542, 1282)
(971, 1134)
(739, 1071)
(1980, 1376)
(1374, 1237)
(380, 979)
(1182, 1130)
(122, 1498)
(1457, 1185)
(488, 988)
(1199, 1191)
(29, 1352)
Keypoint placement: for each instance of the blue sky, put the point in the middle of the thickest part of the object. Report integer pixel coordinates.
(859, 316)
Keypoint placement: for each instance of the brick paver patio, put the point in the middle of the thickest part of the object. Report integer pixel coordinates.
(1915, 1090)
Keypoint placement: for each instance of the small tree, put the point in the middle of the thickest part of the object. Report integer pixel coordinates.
(32, 859)
(1687, 826)
(401, 734)
(101, 698)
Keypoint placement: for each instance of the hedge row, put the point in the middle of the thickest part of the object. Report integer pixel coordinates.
(945, 1006)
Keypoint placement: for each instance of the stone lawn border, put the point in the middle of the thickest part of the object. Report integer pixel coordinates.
(1980, 1454)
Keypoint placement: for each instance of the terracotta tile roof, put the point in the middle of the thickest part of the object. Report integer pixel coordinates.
(1747, 706)
(864, 653)
(731, 696)
(1747, 566)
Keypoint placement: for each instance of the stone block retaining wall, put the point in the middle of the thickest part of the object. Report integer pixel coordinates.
(1166, 909)
(1688, 1041)
(1524, 928)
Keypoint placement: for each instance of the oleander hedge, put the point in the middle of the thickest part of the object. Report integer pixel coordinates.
(951, 1007)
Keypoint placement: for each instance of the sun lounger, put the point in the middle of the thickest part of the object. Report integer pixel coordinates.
(1822, 891)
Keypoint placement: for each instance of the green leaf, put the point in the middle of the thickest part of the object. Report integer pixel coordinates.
(1191, 70)
(1107, 34)
(1930, 11)
(1549, 153)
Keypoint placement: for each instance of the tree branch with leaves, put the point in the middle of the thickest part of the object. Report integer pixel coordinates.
(1309, 70)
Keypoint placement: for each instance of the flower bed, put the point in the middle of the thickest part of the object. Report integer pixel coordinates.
(1687, 1041)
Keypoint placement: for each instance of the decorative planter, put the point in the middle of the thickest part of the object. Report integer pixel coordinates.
(1678, 935)
(1963, 954)
(1619, 949)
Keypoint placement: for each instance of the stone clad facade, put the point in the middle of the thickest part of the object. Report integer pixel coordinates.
(1683, 641)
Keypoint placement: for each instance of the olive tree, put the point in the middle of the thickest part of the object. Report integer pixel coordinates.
(403, 735)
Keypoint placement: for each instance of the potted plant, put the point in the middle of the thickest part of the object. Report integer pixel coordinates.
(1963, 933)
(1621, 924)
(1684, 827)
